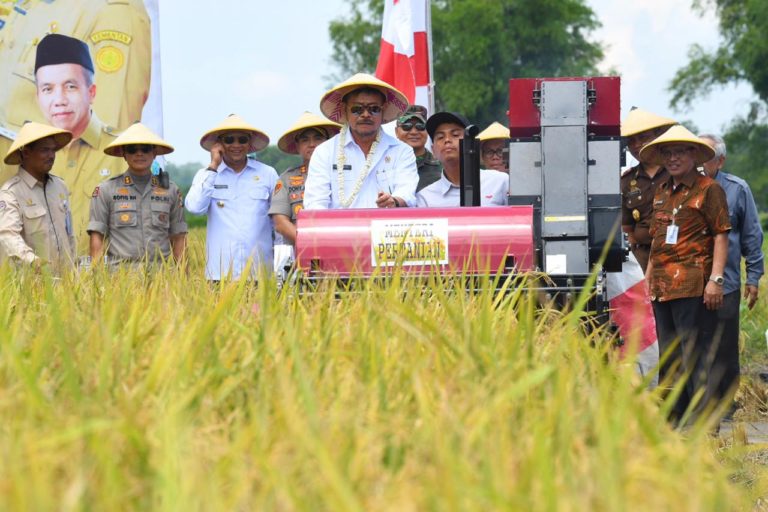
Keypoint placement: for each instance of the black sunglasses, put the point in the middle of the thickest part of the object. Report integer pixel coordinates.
(230, 139)
(372, 109)
(132, 149)
(409, 126)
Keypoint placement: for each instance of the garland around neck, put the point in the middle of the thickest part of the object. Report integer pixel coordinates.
(342, 159)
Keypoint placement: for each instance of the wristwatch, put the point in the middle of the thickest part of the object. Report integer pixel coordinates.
(717, 280)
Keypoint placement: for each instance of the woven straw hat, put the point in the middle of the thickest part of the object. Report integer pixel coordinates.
(332, 107)
(32, 132)
(137, 133)
(494, 131)
(234, 123)
(638, 121)
(651, 152)
(287, 142)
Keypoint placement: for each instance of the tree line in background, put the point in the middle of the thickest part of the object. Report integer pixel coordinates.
(740, 58)
(475, 42)
(479, 44)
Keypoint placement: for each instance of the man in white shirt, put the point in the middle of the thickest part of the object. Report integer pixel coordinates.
(235, 192)
(446, 129)
(362, 166)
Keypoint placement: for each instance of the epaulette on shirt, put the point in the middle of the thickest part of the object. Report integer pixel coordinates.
(8, 184)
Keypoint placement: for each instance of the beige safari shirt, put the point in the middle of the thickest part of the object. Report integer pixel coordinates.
(82, 165)
(118, 34)
(36, 222)
(136, 226)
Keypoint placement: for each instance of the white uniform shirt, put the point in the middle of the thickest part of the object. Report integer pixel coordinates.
(393, 171)
(238, 225)
(494, 189)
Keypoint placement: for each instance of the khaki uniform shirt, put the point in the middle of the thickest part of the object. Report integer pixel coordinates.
(36, 222)
(637, 191)
(288, 197)
(699, 210)
(82, 165)
(118, 35)
(136, 225)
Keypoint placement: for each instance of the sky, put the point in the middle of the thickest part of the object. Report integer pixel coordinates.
(271, 61)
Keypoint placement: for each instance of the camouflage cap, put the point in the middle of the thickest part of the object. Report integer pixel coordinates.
(417, 111)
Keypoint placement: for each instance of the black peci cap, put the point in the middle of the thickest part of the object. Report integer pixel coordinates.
(439, 118)
(60, 49)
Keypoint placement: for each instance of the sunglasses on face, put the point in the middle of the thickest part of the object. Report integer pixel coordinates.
(371, 109)
(410, 126)
(132, 149)
(230, 139)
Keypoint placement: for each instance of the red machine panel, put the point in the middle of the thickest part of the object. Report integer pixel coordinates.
(361, 241)
(604, 113)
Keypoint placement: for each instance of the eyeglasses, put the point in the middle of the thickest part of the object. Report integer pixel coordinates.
(494, 152)
(230, 139)
(410, 126)
(132, 149)
(675, 153)
(357, 110)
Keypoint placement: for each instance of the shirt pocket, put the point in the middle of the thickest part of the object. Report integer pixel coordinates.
(34, 219)
(161, 215)
(221, 194)
(124, 214)
(259, 198)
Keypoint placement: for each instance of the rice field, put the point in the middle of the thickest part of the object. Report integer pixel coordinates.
(127, 392)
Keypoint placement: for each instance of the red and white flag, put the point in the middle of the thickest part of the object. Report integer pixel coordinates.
(404, 55)
(632, 313)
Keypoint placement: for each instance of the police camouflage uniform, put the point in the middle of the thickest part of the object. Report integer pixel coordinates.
(429, 169)
(699, 208)
(35, 221)
(82, 165)
(288, 196)
(118, 34)
(637, 192)
(136, 225)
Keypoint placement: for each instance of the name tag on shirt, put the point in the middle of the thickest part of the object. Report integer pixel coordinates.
(347, 167)
(672, 230)
(221, 186)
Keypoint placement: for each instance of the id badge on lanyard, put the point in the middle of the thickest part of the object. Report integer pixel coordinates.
(672, 229)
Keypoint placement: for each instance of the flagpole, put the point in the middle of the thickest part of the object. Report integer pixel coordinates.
(431, 87)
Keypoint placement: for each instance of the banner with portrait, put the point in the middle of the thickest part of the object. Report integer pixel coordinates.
(91, 67)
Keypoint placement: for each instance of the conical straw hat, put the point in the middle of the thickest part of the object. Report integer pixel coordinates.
(638, 121)
(259, 139)
(494, 131)
(138, 134)
(651, 152)
(287, 142)
(332, 107)
(32, 132)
